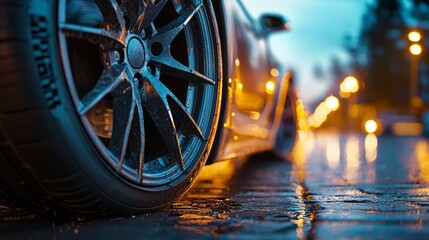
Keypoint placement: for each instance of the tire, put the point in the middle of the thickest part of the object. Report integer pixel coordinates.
(287, 133)
(105, 110)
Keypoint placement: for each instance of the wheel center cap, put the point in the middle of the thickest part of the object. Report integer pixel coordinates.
(135, 52)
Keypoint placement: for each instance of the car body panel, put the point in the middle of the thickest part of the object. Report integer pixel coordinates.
(253, 110)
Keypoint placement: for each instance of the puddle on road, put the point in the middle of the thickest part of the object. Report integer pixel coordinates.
(206, 209)
(247, 200)
(203, 216)
(324, 194)
(239, 198)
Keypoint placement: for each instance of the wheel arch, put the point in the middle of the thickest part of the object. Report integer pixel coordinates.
(222, 19)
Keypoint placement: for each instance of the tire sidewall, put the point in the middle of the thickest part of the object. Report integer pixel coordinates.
(284, 146)
(97, 175)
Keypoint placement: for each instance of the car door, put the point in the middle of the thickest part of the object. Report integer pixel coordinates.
(252, 63)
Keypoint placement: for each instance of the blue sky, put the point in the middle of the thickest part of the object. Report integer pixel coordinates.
(319, 27)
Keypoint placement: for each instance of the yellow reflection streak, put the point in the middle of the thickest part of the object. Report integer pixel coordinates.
(299, 219)
(304, 145)
(371, 145)
(215, 178)
(333, 151)
(422, 154)
(212, 182)
(352, 159)
(196, 219)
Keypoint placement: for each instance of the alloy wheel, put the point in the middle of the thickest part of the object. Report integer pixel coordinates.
(144, 79)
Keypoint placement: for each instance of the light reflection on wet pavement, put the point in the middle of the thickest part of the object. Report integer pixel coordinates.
(339, 186)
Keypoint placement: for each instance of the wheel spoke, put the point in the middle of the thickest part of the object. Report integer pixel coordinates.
(190, 126)
(112, 14)
(169, 32)
(133, 9)
(150, 12)
(112, 36)
(85, 13)
(108, 81)
(141, 137)
(161, 115)
(123, 109)
(171, 66)
(164, 60)
(103, 38)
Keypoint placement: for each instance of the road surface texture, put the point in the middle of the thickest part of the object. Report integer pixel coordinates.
(336, 185)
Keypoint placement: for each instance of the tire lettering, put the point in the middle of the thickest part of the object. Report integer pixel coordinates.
(40, 43)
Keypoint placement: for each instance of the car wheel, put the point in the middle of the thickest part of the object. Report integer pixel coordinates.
(287, 132)
(109, 107)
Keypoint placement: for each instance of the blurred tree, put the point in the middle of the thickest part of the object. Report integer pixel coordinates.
(381, 56)
(318, 71)
(420, 10)
(338, 70)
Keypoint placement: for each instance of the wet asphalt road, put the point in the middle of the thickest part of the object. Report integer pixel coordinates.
(337, 185)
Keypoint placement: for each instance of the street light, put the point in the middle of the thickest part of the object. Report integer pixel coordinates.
(269, 87)
(414, 36)
(415, 49)
(371, 126)
(332, 103)
(349, 85)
